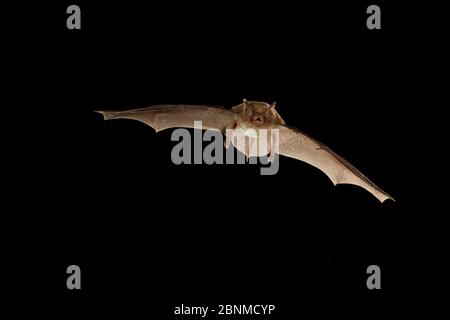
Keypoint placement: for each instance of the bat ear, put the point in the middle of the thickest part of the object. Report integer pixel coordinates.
(245, 104)
(273, 105)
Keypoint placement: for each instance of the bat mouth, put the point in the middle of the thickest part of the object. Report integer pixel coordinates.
(258, 120)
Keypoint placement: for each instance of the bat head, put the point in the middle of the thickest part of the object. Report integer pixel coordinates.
(258, 114)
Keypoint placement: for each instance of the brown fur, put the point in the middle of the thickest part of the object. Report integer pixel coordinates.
(249, 110)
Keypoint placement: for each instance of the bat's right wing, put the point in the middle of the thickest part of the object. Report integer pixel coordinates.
(161, 117)
(295, 144)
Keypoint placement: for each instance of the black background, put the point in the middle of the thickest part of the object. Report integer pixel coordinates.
(150, 235)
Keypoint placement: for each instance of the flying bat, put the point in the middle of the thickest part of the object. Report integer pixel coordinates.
(245, 123)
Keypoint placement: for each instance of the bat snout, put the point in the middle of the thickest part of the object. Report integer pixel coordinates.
(258, 119)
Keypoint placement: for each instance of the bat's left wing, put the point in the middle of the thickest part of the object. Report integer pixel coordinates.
(162, 117)
(295, 144)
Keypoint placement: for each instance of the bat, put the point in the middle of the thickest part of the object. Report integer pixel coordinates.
(243, 125)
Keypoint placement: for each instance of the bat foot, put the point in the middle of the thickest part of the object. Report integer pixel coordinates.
(271, 154)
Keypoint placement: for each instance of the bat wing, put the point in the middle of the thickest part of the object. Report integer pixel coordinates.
(295, 144)
(162, 117)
